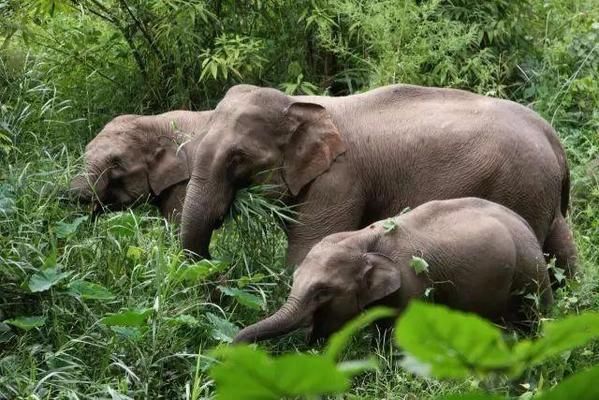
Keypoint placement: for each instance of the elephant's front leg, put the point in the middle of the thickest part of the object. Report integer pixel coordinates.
(329, 206)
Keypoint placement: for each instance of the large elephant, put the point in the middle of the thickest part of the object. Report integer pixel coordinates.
(482, 258)
(140, 157)
(348, 161)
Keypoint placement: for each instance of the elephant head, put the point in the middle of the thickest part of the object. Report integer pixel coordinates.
(339, 277)
(132, 158)
(254, 130)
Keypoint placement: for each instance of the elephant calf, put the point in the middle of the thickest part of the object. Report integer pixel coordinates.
(138, 157)
(482, 257)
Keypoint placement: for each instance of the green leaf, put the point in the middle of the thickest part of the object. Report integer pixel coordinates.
(89, 291)
(26, 323)
(200, 271)
(389, 225)
(247, 299)
(581, 386)
(560, 336)
(51, 261)
(247, 373)
(122, 225)
(129, 332)
(419, 265)
(308, 374)
(340, 339)
(134, 253)
(131, 318)
(64, 230)
(222, 330)
(184, 319)
(246, 280)
(449, 343)
(45, 279)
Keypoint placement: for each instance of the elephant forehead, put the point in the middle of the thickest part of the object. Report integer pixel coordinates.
(331, 258)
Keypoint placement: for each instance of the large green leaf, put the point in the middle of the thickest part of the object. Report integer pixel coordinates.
(222, 329)
(581, 386)
(64, 230)
(559, 336)
(131, 318)
(450, 344)
(89, 290)
(45, 279)
(247, 299)
(200, 271)
(248, 373)
(123, 225)
(27, 323)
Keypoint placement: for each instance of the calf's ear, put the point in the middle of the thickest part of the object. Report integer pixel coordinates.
(379, 278)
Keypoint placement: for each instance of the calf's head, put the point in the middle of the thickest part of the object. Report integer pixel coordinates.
(336, 280)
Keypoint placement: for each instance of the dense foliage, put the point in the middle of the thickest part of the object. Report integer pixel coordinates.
(110, 308)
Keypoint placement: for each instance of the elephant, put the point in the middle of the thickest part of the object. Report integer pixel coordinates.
(138, 157)
(345, 162)
(482, 258)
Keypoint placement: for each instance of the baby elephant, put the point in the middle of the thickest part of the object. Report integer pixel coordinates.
(482, 258)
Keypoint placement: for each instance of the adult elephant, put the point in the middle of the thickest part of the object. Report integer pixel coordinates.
(138, 157)
(346, 162)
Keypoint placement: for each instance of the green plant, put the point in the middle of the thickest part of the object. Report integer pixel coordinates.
(436, 342)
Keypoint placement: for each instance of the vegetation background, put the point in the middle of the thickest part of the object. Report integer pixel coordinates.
(69, 66)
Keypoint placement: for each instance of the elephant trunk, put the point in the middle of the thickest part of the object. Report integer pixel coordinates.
(90, 185)
(198, 219)
(288, 318)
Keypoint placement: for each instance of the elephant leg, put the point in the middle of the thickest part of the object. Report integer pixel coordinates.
(560, 245)
(171, 202)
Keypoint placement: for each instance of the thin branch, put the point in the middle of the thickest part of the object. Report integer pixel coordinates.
(106, 15)
(108, 18)
(140, 25)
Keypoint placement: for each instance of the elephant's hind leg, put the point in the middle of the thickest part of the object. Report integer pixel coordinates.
(560, 245)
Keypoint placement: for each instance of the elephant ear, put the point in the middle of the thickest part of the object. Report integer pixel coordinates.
(167, 167)
(380, 277)
(314, 144)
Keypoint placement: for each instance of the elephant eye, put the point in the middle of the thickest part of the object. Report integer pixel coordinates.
(323, 293)
(238, 166)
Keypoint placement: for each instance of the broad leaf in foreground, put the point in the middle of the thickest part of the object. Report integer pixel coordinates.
(581, 386)
(450, 344)
(248, 373)
(559, 336)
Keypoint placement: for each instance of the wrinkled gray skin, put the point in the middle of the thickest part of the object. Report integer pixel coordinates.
(139, 157)
(482, 257)
(349, 161)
